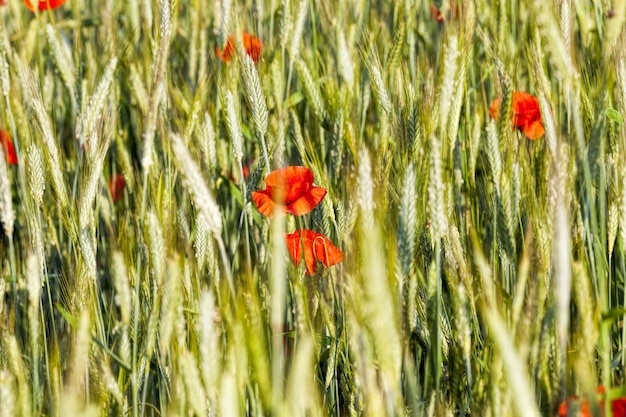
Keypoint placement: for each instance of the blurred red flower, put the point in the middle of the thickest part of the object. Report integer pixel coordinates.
(7, 147)
(575, 404)
(453, 11)
(525, 114)
(435, 13)
(116, 187)
(291, 189)
(317, 247)
(43, 4)
(251, 44)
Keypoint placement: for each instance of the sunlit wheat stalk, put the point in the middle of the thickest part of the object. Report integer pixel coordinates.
(64, 63)
(36, 106)
(158, 85)
(311, 90)
(256, 99)
(446, 88)
(298, 28)
(7, 214)
(202, 198)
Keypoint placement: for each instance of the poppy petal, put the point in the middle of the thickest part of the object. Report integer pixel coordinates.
(525, 109)
(309, 256)
(307, 202)
(292, 189)
(290, 175)
(290, 183)
(327, 253)
(43, 4)
(251, 44)
(525, 113)
(435, 13)
(7, 147)
(227, 53)
(264, 202)
(317, 247)
(294, 246)
(534, 130)
(494, 108)
(116, 187)
(619, 407)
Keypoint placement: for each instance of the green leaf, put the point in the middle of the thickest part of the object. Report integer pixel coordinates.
(614, 115)
(72, 321)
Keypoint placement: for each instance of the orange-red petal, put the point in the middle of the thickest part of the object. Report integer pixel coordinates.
(576, 406)
(294, 246)
(525, 109)
(525, 113)
(325, 252)
(435, 13)
(307, 202)
(290, 183)
(292, 189)
(251, 44)
(316, 247)
(227, 53)
(264, 203)
(116, 187)
(619, 407)
(494, 108)
(7, 147)
(534, 130)
(43, 4)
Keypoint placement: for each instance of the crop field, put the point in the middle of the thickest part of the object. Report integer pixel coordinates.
(312, 208)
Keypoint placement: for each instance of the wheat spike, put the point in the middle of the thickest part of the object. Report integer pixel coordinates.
(36, 106)
(5, 80)
(158, 83)
(8, 395)
(87, 123)
(122, 287)
(34, 167)
(346, 67)
(7, 214)
(254, 94)
(311, 91)
(232, 126)
(196, 186)
(446, 86)
(156, 247)
(408, 220)
(365, 189)
(63, 61)
(298, 29)
(436, 188)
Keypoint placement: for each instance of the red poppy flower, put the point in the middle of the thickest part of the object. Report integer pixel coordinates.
(525, 114)
(116, 187)
(291, 189)
(574, 403)
(453, 11)
(435, 13)
(43, 4)
(251, 44)
(317, 247)
(7, 147)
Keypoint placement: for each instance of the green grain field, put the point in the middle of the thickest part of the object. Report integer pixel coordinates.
(475, 271)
